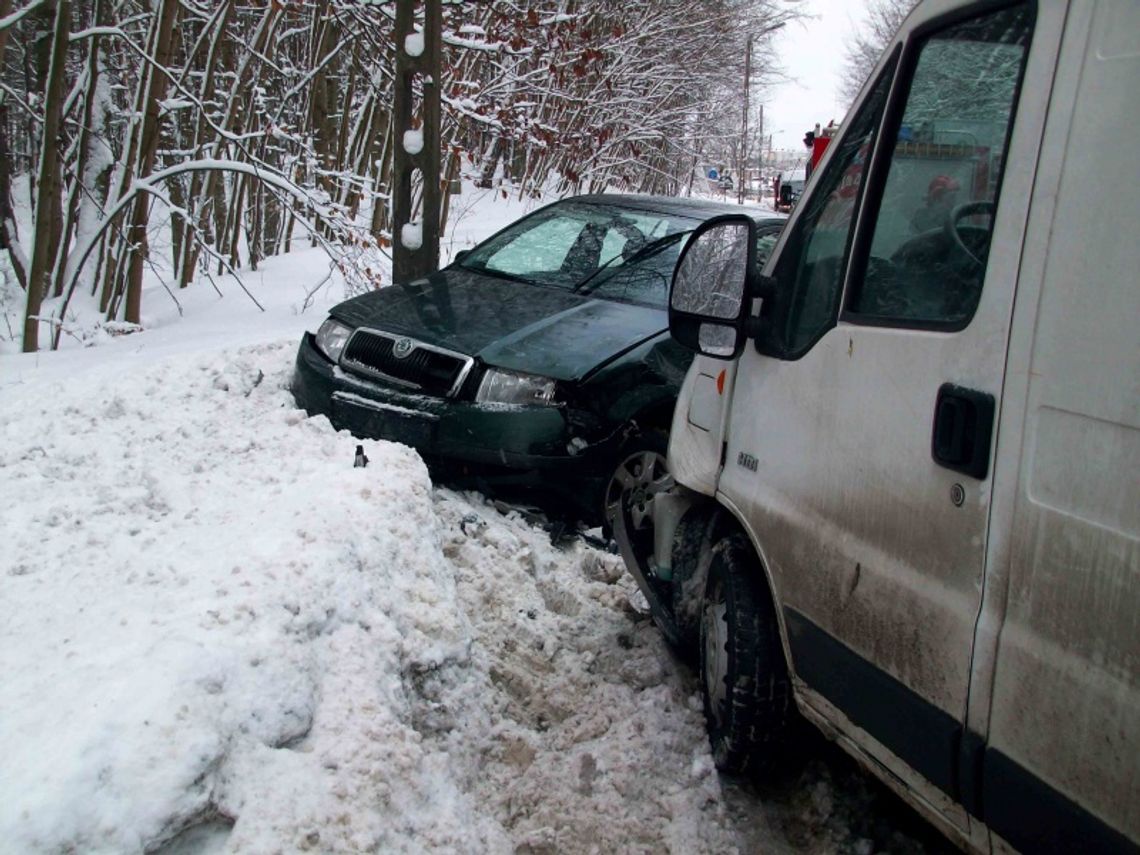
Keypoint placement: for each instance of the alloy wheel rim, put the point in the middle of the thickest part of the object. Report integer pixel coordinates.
(634, 487)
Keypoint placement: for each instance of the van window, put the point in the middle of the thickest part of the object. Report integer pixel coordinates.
(810, 272)
(932, 232)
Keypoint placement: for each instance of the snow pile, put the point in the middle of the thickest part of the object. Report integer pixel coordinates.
(209, 611)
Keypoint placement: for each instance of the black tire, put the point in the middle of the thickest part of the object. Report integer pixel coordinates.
(744, 678)
(690, 577)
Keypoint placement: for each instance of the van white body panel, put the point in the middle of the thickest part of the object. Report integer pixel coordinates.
(1065, 692)
(697, 433)
(999, 612)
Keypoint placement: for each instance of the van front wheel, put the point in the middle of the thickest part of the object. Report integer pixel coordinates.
(744, 679)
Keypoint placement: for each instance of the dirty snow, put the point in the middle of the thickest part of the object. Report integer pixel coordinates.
(220, 636)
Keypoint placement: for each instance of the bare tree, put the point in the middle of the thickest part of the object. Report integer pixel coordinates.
(238, 122)
(49, 175)
(9, 234)
(867, 43)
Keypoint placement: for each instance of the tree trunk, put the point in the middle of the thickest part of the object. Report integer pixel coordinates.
(88, 190)
(163, 43)
(487, 178)
(197, 201)
(9, 239)
(48, 178)
(382, 184)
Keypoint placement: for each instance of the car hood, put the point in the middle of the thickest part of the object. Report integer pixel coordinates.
(528, 328)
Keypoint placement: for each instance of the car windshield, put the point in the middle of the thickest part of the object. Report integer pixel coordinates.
(611, 252)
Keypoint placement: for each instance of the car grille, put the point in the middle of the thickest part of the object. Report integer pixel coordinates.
(424, 367)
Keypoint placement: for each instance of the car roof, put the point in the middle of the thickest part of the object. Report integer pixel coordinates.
(702, 209)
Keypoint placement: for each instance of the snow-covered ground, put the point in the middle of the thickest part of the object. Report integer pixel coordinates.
(218, 635)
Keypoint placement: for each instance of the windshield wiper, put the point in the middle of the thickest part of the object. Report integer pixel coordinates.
(650, 248)
(500, 274)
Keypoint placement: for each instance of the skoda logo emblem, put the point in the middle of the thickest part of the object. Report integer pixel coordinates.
(402, 347)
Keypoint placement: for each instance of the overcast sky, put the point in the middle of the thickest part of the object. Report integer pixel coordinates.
(812, 53)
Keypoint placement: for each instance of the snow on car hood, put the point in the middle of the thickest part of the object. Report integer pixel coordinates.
(529, 328)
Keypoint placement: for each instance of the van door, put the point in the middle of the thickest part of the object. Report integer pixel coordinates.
(1061, 771)
(860, 457)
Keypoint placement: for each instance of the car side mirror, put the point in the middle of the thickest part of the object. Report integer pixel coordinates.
(713, 285)
(459, 256)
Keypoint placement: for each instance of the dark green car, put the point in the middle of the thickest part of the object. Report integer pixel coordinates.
(540, 360)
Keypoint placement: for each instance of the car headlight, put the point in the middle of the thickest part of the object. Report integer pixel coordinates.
(332, 337)
(507, 387)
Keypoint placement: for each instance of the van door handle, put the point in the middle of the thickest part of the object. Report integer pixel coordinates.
(963, 429)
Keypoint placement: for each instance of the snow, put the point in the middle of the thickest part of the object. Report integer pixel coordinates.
(220, 636)
(411, 235)
(414, 44)
(413, 141)
(169, 105)
(475, 44)
(11, 19)
(211, 612)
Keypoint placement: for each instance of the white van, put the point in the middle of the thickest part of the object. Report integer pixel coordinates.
(907, 460)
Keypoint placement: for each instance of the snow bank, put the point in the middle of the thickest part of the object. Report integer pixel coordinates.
(209, 611)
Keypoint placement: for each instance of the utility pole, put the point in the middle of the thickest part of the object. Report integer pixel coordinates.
(760, 159)
(741, 174)
(742, 192)
(415, 246)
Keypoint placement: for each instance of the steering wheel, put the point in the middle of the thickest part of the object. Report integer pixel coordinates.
(950, 227)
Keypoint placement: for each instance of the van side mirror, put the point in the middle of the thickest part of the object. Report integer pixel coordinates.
(712, 287)
(459, 256)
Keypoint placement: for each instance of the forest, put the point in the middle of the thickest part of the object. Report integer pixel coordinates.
(224, 130)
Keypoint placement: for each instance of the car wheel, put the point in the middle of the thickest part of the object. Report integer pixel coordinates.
(640, 475)
(744, 679)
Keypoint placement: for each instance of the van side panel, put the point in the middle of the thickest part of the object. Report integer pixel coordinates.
(1062, 765)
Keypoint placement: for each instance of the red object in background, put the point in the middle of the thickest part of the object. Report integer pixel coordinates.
(818, 147)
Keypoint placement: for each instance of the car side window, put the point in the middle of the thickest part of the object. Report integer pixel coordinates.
(810, 271)
(765, 243)
(932, 231)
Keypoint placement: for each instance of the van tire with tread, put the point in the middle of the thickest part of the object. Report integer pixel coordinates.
(744, 678)
(690, 578)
